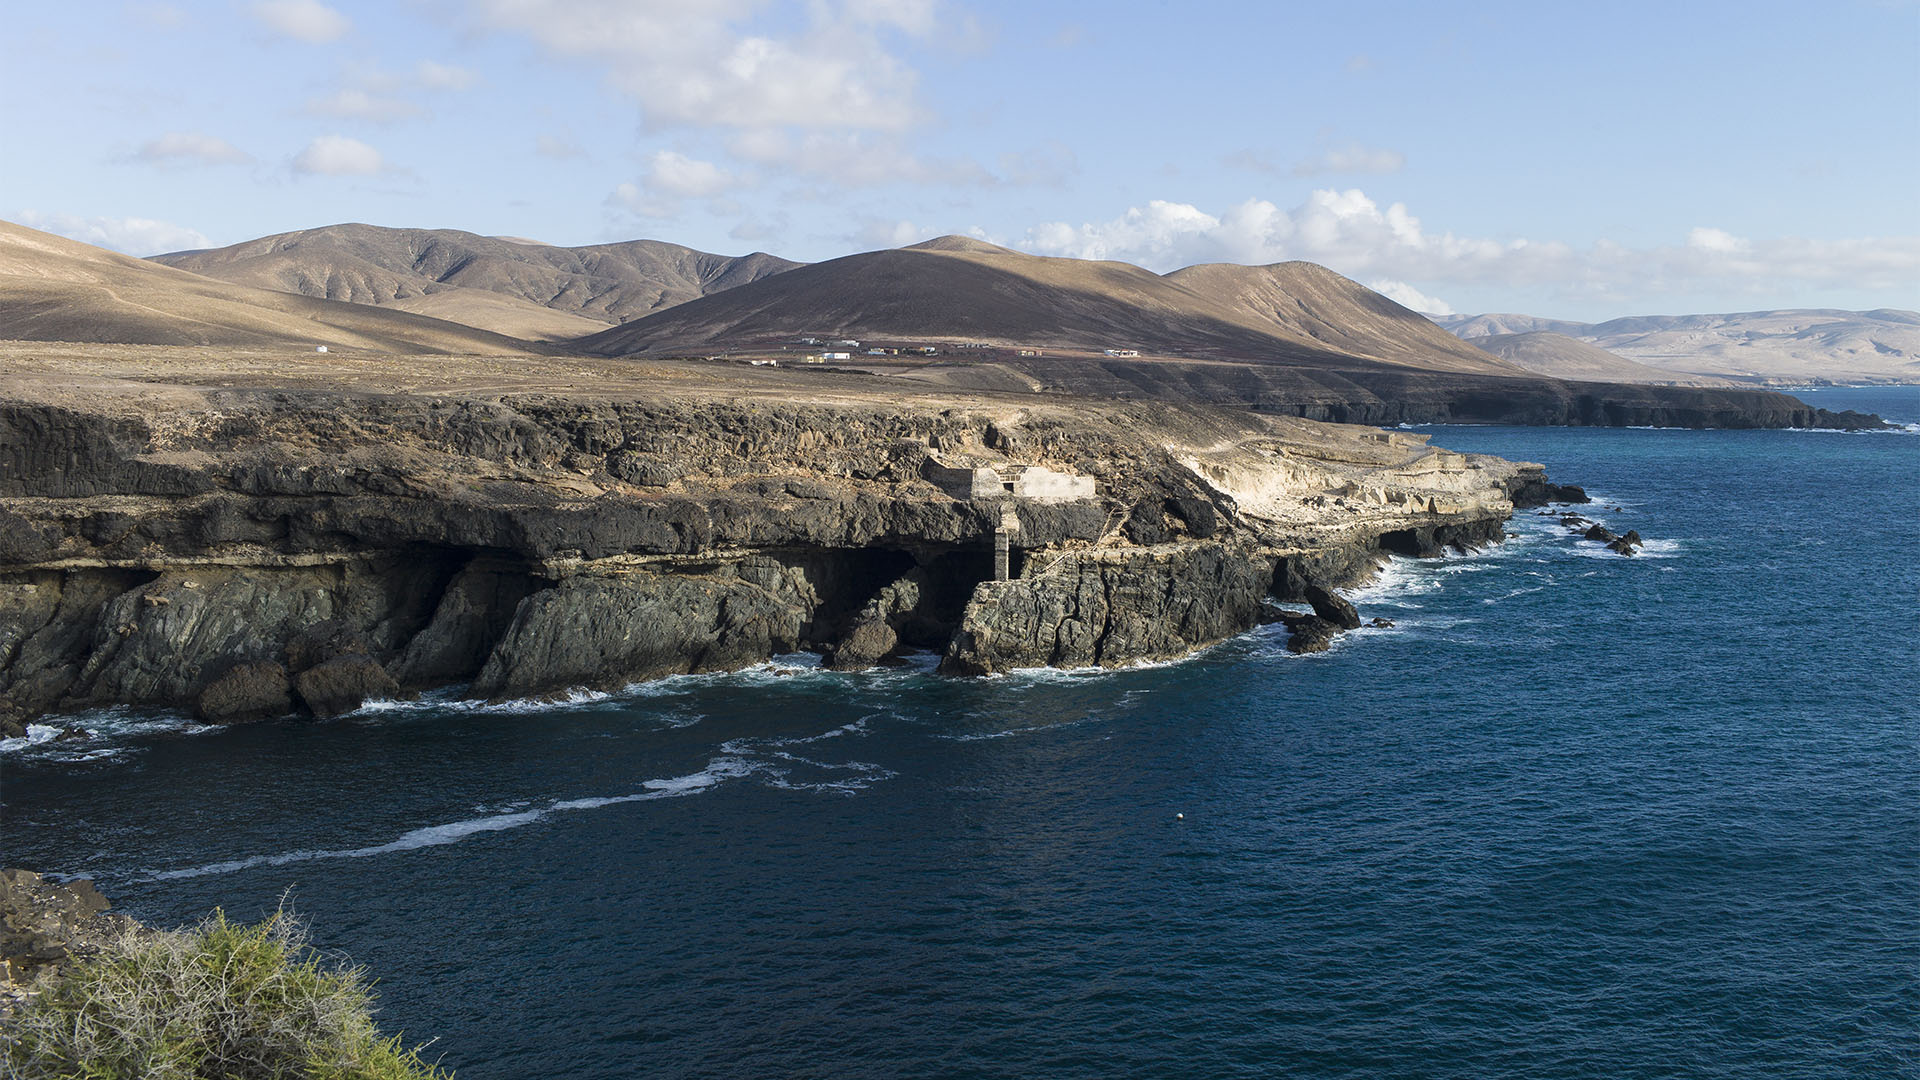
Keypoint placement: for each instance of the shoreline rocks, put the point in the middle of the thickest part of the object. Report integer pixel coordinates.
(44, 925)
(244, 552)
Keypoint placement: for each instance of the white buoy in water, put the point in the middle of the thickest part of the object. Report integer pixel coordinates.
(1179, 817)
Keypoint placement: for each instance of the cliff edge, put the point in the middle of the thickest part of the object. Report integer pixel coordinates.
(247, 534)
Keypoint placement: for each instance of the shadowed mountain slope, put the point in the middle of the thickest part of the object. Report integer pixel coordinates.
(953, 287)
(512, 286)
(55, 289)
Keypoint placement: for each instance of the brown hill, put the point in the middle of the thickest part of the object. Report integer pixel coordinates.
(1311, 302)
(55, 289)
(955, 287)
(504, 284)
(1547, 353)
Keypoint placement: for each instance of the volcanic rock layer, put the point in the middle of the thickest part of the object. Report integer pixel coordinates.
(234, 539)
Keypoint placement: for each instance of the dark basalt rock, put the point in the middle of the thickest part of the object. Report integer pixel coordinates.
(1332, 607)
(342, 684)
(472, 614)
(250, 691)
(1532, 489)
(606, 632)
(1600, 534)
(1199, 515)
(1147, 525)
(321, 547)
(323, 641)
(876, 630)
(1091, 609)
(1310, 633)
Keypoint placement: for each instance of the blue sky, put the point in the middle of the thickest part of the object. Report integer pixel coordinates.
(1578, 161)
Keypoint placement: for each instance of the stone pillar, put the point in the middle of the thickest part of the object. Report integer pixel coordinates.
(1003, 544)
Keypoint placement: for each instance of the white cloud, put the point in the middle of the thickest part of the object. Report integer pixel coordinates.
(303, 20)
(436, 76)
(189, 148)
(1350, 233)
(1716, 240)
(337, 155)
(696, 64)
(1409, 297)
(131, 235)
(671, 173)
(887, 234)
(360, 105)
(1352, 158)
(672, 178)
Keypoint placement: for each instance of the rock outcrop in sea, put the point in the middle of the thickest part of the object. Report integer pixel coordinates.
(240, 545)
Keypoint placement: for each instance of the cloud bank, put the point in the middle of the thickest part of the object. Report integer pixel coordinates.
(699, 65)
(128, 235)
(337, 155)
(1351, 233)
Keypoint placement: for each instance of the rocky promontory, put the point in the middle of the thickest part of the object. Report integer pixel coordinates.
(251, 534)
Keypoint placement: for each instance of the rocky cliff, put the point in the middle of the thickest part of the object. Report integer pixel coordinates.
(247, 535)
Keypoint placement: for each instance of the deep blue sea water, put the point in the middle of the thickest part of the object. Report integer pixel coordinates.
(1575, 815)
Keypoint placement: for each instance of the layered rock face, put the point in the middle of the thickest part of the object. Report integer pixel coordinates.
(240, 542)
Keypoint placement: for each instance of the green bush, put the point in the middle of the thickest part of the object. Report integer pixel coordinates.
(221, 1001)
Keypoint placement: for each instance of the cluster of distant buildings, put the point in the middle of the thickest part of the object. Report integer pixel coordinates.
(847, 348)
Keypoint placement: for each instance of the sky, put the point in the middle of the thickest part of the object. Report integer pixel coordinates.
(1578, 161)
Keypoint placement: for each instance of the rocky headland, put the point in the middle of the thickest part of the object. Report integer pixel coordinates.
(253, 534)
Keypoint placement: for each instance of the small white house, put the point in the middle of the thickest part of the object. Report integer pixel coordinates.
(836, 356)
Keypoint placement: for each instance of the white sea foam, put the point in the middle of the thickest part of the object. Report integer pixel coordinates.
(98, 734)
(717, 771)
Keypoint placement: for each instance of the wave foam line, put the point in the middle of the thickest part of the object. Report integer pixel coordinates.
(717, 771)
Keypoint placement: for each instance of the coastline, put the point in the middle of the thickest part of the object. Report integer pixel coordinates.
(236, 543)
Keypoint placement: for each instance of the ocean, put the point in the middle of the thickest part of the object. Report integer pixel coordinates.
(1573, 815)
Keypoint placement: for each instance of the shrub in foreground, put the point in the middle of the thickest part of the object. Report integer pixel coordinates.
(221, 1000)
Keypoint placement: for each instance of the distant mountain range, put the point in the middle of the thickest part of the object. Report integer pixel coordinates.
(1547, 353)
(1291, 338)
(55, 289)
(516, 287)
(955, 288)
(1780, 348)
(654, 298)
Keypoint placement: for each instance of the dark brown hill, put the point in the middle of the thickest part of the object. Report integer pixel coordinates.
(954, 287)
(55, 289)
(511, 286)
